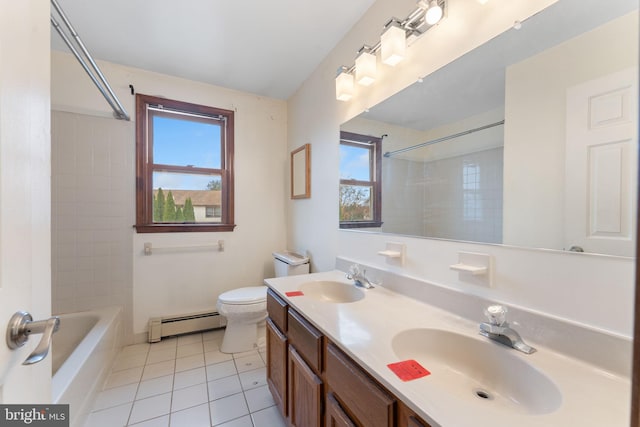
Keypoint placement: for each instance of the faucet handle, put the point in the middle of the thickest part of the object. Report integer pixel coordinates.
(354, 271)
(497, 314)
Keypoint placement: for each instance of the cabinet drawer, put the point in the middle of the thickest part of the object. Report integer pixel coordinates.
(306, 339)
(408, 418)
(369, 404)
(277, 309)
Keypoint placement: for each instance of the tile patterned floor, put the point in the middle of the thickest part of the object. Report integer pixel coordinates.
(186, 382)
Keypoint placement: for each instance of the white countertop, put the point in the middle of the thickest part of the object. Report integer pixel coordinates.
(365, 329)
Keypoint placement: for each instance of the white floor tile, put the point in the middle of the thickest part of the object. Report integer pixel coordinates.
(112, 417)
(227, 409)
(189, 397)
(189, 362)
(156, 370)
(164, 344)
(128, 361)
(212, 345)
(120, 378)
(216, 356)
(198, 416)
(136, 348)
(269, 417)
(238, 422)
(259, 398)
(189, 378)
(190, 349)
(115, 396)
(189, 339)
(221, 370)
(249, 363)
(215, 335)
(161, 355)
(224, 387)
(154, 422)
(155, 386)
(151, 407)
(253, 379)
(245, 354)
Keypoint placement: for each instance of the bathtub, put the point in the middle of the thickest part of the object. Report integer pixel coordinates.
(82, 352)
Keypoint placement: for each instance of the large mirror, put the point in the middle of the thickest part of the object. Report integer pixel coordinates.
(529, 140)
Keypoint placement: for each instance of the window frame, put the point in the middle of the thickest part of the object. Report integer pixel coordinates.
(375, 164)
(145, 167)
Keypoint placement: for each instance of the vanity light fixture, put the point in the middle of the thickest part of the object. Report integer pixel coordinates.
(344, 84)
(433, 14)
(395, 38)
(393, 43)
(366, 66)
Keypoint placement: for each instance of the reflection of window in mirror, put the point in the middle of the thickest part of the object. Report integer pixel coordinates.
(360, 180)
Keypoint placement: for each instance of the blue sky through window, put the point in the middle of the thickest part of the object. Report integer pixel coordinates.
(354, 163)
(185, 143)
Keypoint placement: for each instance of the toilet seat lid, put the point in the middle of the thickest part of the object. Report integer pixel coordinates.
(248, 295)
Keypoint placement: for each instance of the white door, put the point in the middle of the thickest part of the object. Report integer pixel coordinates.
(601, 164)
(25, 195)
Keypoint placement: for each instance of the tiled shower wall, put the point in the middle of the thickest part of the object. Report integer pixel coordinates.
(456, 198)
(93, 196)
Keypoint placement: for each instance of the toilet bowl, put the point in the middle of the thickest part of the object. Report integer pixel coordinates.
(245, 310)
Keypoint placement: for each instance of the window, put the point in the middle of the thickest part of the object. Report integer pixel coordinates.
(360, 180)
(184, 170)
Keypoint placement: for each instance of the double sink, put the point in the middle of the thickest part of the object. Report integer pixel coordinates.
(473, 380)
(469, 368)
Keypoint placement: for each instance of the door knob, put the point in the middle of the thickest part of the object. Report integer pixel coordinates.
(21, 325)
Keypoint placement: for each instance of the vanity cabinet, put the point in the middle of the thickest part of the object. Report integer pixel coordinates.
(277, 350)
(336, 417)
(305, 365)
(277, 365)
(367, 403)
(316, 384)
(305, 393)
(408, 418)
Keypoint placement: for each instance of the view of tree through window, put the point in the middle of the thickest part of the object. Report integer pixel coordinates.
(184, 163)
(360, 174)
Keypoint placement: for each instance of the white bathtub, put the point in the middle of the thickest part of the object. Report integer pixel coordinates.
(83, 350)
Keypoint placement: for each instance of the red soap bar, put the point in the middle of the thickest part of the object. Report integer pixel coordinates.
(408, 370)
(294, 294)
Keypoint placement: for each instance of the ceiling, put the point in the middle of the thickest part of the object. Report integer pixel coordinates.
(264, 47)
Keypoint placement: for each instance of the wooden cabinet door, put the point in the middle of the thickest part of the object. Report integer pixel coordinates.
(305, 393)
(368, 403)
(408, 418)
(277, 366)
(336, 417)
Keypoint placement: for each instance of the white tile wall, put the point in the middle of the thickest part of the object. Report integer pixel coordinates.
(92, 213)
(436, 188)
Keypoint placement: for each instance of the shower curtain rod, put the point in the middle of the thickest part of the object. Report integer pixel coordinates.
(444, 138)
(103, 86)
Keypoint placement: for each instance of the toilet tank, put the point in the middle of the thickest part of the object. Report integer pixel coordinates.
(290, 263)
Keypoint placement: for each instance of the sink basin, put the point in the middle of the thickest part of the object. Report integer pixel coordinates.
(479, 372)
(330, 291)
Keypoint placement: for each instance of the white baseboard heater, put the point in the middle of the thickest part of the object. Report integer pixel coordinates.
(161, 327)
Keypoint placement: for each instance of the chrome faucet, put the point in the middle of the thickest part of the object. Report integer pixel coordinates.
(359, 278)
(498, 329)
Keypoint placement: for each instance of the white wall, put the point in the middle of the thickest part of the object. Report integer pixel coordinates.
(545, 281)
(181, 281)
(535, 129)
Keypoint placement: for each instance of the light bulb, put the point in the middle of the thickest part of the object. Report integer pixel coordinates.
(434, 13)
(344, 84)
(393, 43)
(365, 66)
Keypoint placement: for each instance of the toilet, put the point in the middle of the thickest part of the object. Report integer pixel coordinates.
(246, 308)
